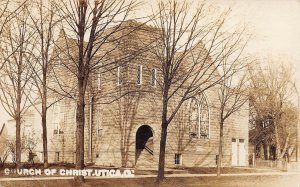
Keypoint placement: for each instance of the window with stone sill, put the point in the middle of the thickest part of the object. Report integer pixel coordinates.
(199, 118)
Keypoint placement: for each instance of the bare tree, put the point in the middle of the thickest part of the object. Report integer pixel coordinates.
(8, 10)
(16, 74)
(191, 45)
(273, 116)
(95, 25)
(44, 21)
(232, 96)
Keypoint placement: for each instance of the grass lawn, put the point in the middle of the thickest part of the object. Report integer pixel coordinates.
(263, 181)
(272, 181)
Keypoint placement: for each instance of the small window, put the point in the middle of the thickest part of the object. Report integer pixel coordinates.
(99, 81)
(233, 140)
(56, 156)
(119, 76)
(217, 158)
(241, 140)
(153, 77)
(139, 74)
(178, 159)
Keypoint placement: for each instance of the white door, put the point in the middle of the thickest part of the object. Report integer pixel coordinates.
(238, 154)
(242, 153)
(234, 151)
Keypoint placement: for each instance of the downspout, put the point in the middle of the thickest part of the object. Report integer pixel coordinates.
(90, 129)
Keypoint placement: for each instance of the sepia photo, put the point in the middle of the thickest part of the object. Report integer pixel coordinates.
(149, 93)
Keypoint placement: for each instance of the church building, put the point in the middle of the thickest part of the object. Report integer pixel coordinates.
(123, 118)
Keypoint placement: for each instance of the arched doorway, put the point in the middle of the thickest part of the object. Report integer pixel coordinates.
(144, 146)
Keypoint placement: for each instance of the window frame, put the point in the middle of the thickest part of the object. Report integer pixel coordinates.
(178, 159)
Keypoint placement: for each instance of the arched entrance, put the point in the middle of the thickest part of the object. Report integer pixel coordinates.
(144, 146)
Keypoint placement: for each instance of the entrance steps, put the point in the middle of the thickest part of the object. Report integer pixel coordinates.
(145, 159)
(144, 155)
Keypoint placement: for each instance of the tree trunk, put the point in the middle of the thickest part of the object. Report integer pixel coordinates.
(18, 119)
(161, 163)
(278, 147)
(82, 77)
(80, 129)
(285, 147)
(44, 126)
(265, 148)
(163, 139)
(219, 163)
(44, 111)
(18, 140)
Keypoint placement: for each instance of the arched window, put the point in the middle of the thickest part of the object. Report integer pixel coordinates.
(199, 118)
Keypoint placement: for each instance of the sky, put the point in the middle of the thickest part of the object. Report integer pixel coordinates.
(274, 24)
